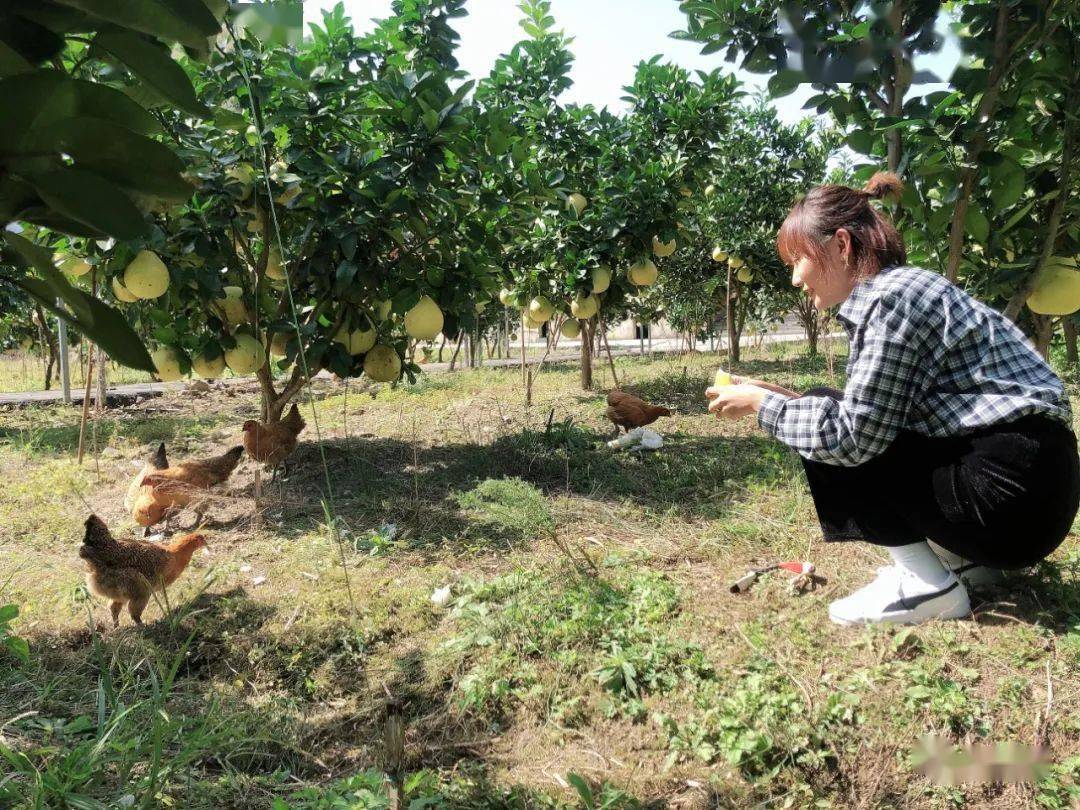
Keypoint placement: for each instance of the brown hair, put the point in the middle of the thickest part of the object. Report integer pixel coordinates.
(875, 243)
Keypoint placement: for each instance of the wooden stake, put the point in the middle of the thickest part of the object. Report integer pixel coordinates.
(611, 360)
(89, 378)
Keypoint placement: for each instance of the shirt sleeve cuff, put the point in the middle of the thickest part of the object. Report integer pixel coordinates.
(772, 408)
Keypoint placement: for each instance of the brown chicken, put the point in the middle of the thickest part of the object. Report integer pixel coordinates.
(128, 572)
(627, 411)
(272, 443)
(160, 490)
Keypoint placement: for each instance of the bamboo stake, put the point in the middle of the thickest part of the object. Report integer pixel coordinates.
(89, 378)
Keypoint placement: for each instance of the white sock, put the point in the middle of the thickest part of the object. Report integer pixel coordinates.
(921, 561)
(949, 558)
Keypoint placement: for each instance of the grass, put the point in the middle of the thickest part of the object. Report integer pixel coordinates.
(590, 654)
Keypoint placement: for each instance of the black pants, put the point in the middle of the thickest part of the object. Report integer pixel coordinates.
(1004, 496)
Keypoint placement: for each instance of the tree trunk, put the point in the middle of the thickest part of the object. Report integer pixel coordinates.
(457, 348)
(48, 338)
(586, 356)
(1044, 333)
(1069, 328)
(733, 335)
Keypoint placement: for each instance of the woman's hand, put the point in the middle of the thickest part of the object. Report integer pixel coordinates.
(736, 400)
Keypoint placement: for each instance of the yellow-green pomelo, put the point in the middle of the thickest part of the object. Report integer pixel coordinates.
(233, 305)
(583, 307)
(357, 341)
(710, 190)
(540, 309)
(570, 329)
(722, 378)
(382, 364)
(663, 249)
(643, 273)
(75, 266)
(719, 255)
(382, 309)
(425, 320)
(167, 363)
(601, 279)
(734, 262)
(248, 356)
(147, 276)
(244, 175)
(279, 344)
(504, 296)
(121, 292)
(1057, 289)
(208, 369)
(745, 275)
(577, 202)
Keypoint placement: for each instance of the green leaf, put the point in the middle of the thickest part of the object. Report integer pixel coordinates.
(90, 199)
(583, 789)
(99, 322)
(153, 65)
(33, 41)
(977, 225)
(1007, 189)
(186, 21)
(11, 62)
(119, 155)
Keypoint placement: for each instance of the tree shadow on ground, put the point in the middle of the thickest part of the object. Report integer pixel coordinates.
(1047, 595)
(379, 480)
(63, 439)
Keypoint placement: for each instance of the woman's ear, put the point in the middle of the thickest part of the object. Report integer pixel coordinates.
(843, 244)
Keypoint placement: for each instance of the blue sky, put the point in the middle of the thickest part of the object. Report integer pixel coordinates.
(610, 38)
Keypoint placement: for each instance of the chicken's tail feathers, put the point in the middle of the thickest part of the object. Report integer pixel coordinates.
(294, 420)
(159, 460)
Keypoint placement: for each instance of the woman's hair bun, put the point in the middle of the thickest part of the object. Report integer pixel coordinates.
(883, 185)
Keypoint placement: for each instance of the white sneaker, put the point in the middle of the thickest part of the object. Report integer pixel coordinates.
(897, 596)
(973, 575)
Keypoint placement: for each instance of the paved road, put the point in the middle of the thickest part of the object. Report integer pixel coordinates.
(122, 394)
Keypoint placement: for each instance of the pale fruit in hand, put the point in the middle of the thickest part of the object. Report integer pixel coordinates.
(425, 320)
(745, 275)
(719, 255)
(583, 307)
(540, 309)
(121, 292)
(577, 202)
(382, 364)
(570, 329)
(74, 266)
(248, 356)
(209, 369)
(233, 305)
(601, 279)
(663, 249)
(643, 273)
(146, 277)
(167, 363)
(1057, 288)
(356, 341)
(722, 378)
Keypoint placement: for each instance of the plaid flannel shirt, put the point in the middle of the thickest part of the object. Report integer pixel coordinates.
(924, 357)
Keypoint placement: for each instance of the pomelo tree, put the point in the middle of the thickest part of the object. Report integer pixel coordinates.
(989, 162)
(353, 201)
(81, 148)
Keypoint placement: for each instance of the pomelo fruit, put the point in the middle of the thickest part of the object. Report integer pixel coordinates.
(745, 275)
(279, 344)
(248, 356)
(425, 320)
(1057, 289)
(540, 309)
(734, 262)
(577, 202)
(663, 249)
(356, 341)
(121, 292)
(244, 175)
(382, 309)
(710, 190)
(643, 273)
(722, 378)
(583, 307)
(74, 266)
(601, 279)
(382, 364)
(146, 277)
(505, 295)
(233, 305)
(570, 329)
(167, 363)
(718, 255)
(208, 369)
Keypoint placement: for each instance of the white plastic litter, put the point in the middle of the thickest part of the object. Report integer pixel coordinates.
(441, 597)
(638, 439)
